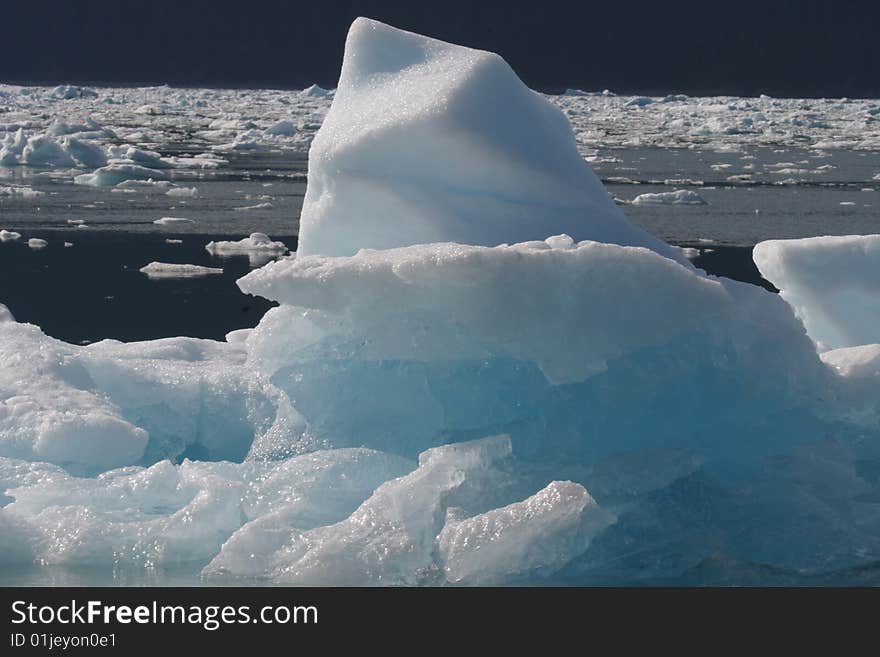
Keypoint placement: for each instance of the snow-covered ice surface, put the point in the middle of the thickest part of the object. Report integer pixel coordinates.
(492, 389)
(491, 177)
(833, 283)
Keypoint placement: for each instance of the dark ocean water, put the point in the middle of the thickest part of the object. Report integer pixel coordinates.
(94, 290)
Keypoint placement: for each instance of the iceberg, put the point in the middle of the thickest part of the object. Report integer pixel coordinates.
(456, 340)
(833, 284)
(283, 128)
(431, 142)
(43, 150)
(390, 538)
(109, 404)
(127, 154)
(85, 153)
(638, 101)
(541, 533)
(69, 91)
(314, 91)
(478, 372)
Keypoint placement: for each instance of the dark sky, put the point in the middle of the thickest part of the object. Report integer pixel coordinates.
(777, 47)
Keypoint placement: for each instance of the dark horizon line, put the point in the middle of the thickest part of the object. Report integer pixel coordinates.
(697, 92)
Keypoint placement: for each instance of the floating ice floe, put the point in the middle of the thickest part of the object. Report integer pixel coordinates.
(113, 174)
(258, 247)
(37, 243)
(678, 197)
(85, 153)
(257, 206)
(69, 91)
(9, 235)
(690, 253)
(20, 191)
(146, 185)
(283, 128)
(170, 270)
(183, 192)
(639, 101)
(172, 221)
(270, 120)
(46, 151)
(203, 161)
(127, 154)
(831, 282)
(478, 373)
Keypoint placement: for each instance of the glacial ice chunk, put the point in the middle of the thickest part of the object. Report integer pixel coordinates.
(44, 416)
(678, 197)
(21, 191)
(455, 341)
(43, 150)
(172, 221)
(107, 405)
(833, 284)
(183, 192)
(174, 270)
(639, 101)
(314, 91)
(431, 142)
(146, 517)
(112, 174)
(85, 153)
(283, 128)
(536, 536)
(656, 416)
(254, 242)
(390, 538)
(298, 494)
(480, 301)
(69, 91)
(259, 248)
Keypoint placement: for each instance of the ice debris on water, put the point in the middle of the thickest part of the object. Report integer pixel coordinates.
(479, 372)
(678, 197)
(172, 221)
(258, 247)
(171, 270)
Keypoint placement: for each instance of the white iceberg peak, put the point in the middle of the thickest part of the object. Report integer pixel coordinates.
(428, 141)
